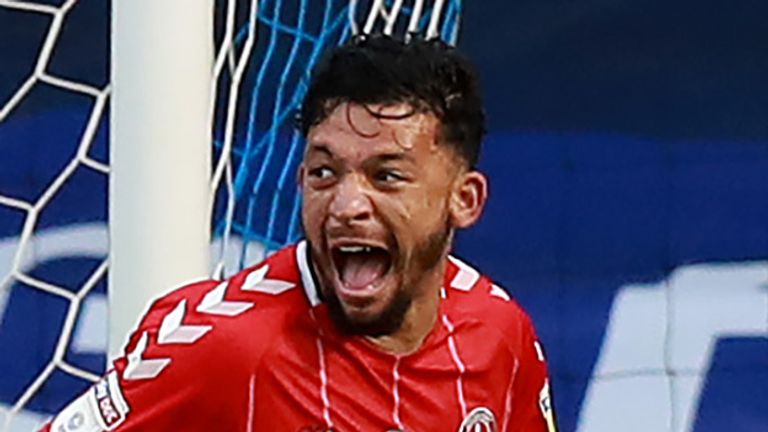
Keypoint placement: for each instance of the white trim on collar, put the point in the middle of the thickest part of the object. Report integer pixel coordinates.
(307, 281)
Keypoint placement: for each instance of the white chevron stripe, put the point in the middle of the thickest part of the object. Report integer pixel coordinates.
(257, 281)
(467, 276)
(139, 368)
(173, 331)
(499, 292)
(214, 303)
(256, 276)
(273, 286)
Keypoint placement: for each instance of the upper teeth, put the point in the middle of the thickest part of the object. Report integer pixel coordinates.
(355, 249)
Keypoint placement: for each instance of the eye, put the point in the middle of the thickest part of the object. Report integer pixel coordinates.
(321, 172)
(389, 176)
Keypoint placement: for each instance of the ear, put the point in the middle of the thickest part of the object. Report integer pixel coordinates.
(468, 198)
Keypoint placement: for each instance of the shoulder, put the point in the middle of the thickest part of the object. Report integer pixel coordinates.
(475, 298)
(196, 351)
(219, 322)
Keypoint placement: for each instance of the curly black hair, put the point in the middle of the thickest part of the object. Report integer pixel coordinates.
(429, 75)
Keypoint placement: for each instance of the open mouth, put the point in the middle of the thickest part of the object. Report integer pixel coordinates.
(361, 268)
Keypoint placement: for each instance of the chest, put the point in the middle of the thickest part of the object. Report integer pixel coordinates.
(460, 382)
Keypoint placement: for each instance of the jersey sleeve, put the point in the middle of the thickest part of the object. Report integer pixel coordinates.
(531, 403)
(178, 371)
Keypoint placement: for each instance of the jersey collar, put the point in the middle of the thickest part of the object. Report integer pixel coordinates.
(307, 277)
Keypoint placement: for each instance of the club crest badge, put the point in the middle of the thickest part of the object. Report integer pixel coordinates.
(480, 419)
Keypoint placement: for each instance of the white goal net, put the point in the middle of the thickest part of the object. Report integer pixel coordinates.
(53, 177)
(54, 97)
(265, 52)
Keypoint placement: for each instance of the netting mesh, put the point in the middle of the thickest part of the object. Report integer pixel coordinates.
(55, 256)
(53, 176)
(53, 179)
(258, 89)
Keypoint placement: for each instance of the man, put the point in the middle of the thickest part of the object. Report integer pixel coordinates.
(369, 324)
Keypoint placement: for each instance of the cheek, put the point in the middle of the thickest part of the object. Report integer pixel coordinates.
(429, 206)
(313, 213)
(416, 216)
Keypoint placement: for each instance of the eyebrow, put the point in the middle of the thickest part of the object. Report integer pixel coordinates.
(390, 157)
(320, 148)
(381, 158)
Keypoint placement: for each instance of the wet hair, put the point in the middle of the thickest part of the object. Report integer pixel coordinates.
(429, 75)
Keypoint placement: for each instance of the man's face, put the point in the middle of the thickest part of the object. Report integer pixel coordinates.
(376, 197)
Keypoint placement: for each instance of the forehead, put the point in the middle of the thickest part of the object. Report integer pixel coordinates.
(356, 131)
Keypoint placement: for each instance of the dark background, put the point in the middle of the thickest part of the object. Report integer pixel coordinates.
(627, 139)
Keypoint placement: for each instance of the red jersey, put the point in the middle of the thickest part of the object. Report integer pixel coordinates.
(259, 353)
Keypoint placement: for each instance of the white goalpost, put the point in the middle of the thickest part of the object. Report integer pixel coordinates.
(199, 165)
(163, 69)
(170, 94)
(162, 57)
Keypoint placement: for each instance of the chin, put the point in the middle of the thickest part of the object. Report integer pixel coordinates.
(372, 319)
(362, 284)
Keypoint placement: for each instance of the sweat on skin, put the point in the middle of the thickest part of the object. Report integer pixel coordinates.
(379, 177)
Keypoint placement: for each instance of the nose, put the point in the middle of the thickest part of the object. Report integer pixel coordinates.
(351, 201)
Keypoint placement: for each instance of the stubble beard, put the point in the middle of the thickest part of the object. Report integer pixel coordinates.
(425, 258)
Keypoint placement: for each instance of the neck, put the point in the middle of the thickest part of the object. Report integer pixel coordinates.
(420, 318)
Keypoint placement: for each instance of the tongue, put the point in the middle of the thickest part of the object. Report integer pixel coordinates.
(362, 269)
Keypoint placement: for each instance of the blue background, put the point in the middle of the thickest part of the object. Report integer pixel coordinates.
(627, 139)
